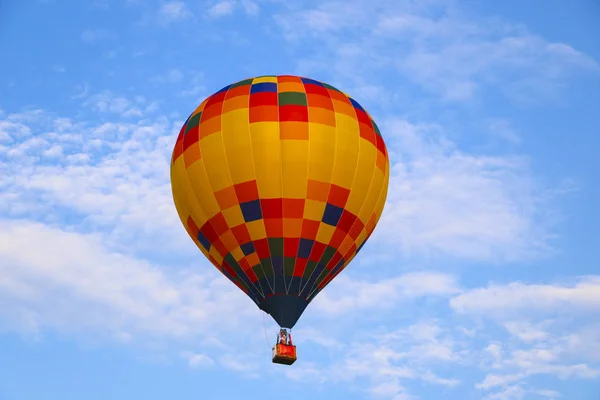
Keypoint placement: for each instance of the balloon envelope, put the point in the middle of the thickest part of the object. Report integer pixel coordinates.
(280, 180)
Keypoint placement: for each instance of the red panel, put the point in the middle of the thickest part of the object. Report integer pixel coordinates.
(219, 224)
(241, 234)
(293, 113)
(338, 196)
(246, 191)
(337, 238)
(262, 248)
(263, 99)
(300, 266)
(293, 208)
(346, 221)
(317, 251)
(209, 232)
(191, 137)
(310, 229)
(271, 208)
(192, 227)
(290, 247)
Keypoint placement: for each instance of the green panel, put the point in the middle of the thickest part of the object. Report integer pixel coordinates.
(258, 271)
(193, 122)
(376, 128)
(234, 264)
(332, 87)
(310, 267)
(267, 267)
(288, 266)
(292, 98)
(276, 247)
(327, 255)
(245, 82)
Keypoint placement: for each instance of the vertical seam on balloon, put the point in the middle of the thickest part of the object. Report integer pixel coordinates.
(228, 169)
(187, 176)
(285, 286)
(256, 180)
(383, 187)
(350, 189)
(306, 189)
(328, 191)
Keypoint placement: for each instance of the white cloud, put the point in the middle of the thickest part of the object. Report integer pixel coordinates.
(525, 331)
(436, 45)
(197, 360)
(344, 293)
(583, 296)
(222, 8)
(173, 11)
(71, 282)
(445, 201)
(382, 364)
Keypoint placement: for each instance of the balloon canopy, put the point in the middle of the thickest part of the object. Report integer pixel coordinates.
(280, 180)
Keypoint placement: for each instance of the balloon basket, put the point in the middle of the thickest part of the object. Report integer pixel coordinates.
(284, 354)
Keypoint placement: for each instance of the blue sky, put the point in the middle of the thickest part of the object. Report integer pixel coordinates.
(481, 281)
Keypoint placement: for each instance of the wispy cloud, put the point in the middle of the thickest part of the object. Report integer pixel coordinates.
(172, 11)
(96, 35)
(436, 46)
(222, 8)
(443, 200)
(520, 297)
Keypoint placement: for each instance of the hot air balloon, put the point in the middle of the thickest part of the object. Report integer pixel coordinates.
(280, 180)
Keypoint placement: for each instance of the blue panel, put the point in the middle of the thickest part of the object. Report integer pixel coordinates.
(332, 214)
(264, 87)
(285, 309)
(224, 89)
(278, 269)
(265, 284)
(361, 246)
(311, 81)
(277, 265)
(251, 210)
(313, 278)
(356, 105)
(248, 248)
(203, 241)
(294, 286)
(305, 247)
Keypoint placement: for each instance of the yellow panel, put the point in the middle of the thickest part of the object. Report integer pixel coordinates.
(372, 197)
(294, 168)
(382, 198)
(237, 253)
(290, 87)
(363, 177)
(264, 79)
(213, 157)
(361, 237)
(345, 246)
(325, 233)
(213, 252)
(346, 157)
(186, 195)
(321, 151)
(236, 139)
(233, 216)
(179, 194)
(267, 158)
(313, 210)
(256, 229)
(202, 190)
